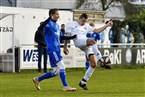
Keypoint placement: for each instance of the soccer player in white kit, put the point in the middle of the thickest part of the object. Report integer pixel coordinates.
(95, 36)
(81, 28)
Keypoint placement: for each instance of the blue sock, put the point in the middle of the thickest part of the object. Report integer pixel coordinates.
(62, 75)
(87, 64)
(46, 76)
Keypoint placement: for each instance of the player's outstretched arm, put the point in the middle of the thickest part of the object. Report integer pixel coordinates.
(109, 24)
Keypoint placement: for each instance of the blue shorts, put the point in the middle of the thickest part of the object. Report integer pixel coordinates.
(54, 58)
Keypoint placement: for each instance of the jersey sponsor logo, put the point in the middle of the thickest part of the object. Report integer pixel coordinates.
(115, 56)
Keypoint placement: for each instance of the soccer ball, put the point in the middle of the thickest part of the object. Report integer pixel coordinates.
(104, 61)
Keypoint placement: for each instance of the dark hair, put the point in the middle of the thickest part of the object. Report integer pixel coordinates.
(106, 22)
(41, 22)
(92, 24)
(62, 25)
(83, 16)
(52, 11)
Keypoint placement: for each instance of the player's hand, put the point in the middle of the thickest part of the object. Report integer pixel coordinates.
(75, 36)
(35, 46)
(65, 51)
(110, 23)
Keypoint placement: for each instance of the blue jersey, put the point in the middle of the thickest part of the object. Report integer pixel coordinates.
(52, 36)
(95, 36)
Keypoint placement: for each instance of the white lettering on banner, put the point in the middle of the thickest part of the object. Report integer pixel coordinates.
(76, 57)
(114, 57)
(138, 59)
(140, 56)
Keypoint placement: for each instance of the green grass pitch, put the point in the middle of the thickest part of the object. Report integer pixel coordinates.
(117, 82)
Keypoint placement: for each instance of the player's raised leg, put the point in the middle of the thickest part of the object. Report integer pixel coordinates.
(91, 68)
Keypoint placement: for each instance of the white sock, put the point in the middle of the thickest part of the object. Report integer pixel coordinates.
(88, 74)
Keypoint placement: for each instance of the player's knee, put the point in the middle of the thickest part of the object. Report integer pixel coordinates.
(93, 66)
(90, 42)
(55, 71)
(92, 60)
(60, 65)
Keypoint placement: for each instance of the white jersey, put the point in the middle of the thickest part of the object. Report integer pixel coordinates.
(75, 28)
(81, 32)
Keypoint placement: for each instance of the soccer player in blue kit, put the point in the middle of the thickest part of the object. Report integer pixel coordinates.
(52, 38)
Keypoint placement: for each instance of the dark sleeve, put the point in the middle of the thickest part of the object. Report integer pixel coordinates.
(41, 27)
(67, 37)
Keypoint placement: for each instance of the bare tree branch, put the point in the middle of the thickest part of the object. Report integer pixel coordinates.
(109, 4)
(79, 3)
(10, 2)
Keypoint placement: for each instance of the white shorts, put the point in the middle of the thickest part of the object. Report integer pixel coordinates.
(96, 51)
(88, 50)
(80, 43)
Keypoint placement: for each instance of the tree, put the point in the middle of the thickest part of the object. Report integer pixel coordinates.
(136, 24)
(79, 3)
(129, 8)
(106, 4)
